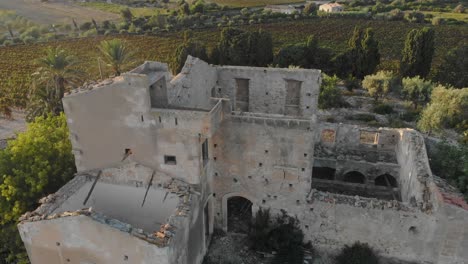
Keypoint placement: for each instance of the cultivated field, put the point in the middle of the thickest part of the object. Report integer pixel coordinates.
(56, 12)
(17, 62)
(250, 3)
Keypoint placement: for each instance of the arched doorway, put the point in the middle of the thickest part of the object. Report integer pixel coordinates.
(354, 177)
(239, 214)
(386, 180)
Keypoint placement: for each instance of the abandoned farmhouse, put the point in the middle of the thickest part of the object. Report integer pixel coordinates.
(162, 159)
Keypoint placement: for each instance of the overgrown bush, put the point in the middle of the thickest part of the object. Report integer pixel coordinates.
(362, 117)
(358, 253)
(283, 235)
(330, 94)
(383, 109)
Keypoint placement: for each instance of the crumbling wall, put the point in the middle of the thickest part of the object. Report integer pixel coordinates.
(415, 173)
(265, 160)
(268, 88)
(80, 239)
(192, 87)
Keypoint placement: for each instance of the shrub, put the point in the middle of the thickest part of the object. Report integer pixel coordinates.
(283, 235)
(383, 109)
(330, 94)
(352, 83)
(380, 84)
(358, 253)
(362, 117)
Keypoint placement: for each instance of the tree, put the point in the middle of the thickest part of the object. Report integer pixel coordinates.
(448, 108)
(197, 7)
(188, 47)
(35, 164)
(330, 94)
(304, 55)
(362, 56)
(57, 73)
(310, 8)
(380, 84)
(184, 9)
(454, 68)
(116, 54)
(417, 53)
(126, 14)
(417, 90)
(291, 55)
(238, 47)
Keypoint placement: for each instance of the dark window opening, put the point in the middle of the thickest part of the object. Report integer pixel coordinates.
(158, 94)
(324, 173)
(386, 180)
(207, 222)
(205, 152)
(354, 177)
(239, 214)
(242, 95)
(170, 160)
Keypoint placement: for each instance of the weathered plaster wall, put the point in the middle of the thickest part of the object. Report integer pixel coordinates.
(193, 85)
(267, 88)
(415, 173)
(80, 239)
(265, 160)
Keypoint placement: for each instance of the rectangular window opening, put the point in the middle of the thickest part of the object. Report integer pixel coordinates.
(242, 95)
(205, 152)
(170, 160)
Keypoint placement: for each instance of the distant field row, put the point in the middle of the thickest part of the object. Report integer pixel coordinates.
(17, 62)
(115, 8)
(250, 3)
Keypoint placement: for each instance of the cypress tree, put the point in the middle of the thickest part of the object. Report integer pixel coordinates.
(417, 53)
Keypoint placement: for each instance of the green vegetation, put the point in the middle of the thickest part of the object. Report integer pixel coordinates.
(362, 56)
(56, 75)
(383, 109)
(362, 117)
(239, 47)
(116, 8)
(418, 52)
(357, 253)
(448, 108)
(379, 85)
(282, 235)
(451, 163)
(454, 68)
(330, 94)
(117, 55)
(34, 165)
(250, 3)
(188, 47)
(417, 90)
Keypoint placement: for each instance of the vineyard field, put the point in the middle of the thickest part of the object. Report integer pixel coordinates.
(17, 63)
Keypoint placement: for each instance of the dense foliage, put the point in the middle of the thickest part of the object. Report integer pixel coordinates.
(357, 253)
(239, 47)
(117, 54)
(188, 47)
(451, 163)
(281, 234)
(417, 90)
(454, 68)
(418, 52)
(330, 94)
(35, 164)
(379, 85)
(362, 56)
(448, 108)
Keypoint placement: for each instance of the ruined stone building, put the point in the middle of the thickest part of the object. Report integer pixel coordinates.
(164, 160)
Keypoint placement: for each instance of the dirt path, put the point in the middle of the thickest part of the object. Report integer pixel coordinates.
(55, 12)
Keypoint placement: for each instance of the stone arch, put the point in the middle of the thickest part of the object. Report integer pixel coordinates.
(225, 201)
(386, 180)
(354, 177)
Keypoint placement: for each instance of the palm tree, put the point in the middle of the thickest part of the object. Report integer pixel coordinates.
(57, 74)
(116, 54)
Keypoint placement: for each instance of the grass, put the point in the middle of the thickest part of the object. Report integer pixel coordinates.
(448, 15)
(115, 8)
(251, 3)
